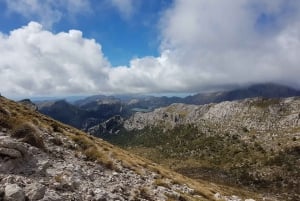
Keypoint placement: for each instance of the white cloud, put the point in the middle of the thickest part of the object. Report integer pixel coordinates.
(146, 75)
(210, 44)
(38, 62)
(206, 45)
(125, 7)
(48, 12)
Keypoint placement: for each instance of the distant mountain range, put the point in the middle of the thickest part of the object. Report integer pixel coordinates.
(228, 137)
(259, 90)
(91, 111)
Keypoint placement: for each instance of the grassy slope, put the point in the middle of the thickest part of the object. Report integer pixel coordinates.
(12, 115)
(224, 159)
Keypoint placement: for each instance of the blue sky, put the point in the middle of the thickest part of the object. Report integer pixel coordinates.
(84, 47)
(122, 37)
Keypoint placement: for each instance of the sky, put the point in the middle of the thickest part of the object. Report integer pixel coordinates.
(84, 47)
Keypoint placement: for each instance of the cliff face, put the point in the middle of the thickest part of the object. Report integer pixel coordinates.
(252, 142)
(41, 159)
(254, 114)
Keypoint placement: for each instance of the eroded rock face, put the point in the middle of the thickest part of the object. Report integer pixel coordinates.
(57, 174)
(236, 113)
(112, 126)
(14, 155)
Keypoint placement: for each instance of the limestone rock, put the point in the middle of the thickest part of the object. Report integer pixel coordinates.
(14, 193)
(35, 191)
(9, 143)
(52, 196)
(12, 153)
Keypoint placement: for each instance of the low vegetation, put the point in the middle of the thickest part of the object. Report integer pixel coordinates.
(225, 159)
(28, 134)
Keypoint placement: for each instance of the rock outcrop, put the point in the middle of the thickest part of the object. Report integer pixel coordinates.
(29, 104)
(112, 126)
(258, 115)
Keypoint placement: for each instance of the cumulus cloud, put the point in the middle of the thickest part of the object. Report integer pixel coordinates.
(209, 45)
(206, 45)
(48, 12)
(38, 62)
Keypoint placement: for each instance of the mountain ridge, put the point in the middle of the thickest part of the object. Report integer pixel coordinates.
(252, 142)
(92, 111)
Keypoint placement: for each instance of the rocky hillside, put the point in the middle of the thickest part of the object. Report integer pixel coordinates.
(91, 112)
(42, 159)
(84, 115)
(252, 142)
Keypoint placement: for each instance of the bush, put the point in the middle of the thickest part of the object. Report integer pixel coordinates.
(90, 150)
(56, 141)
(56, 127)
(5, 119)
(28, 134)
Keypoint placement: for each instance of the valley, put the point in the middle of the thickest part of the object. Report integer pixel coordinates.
(251, 143)
(158, 100)
(43, 159)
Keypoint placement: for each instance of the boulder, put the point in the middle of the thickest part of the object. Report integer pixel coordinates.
(35, 191)
(52, 196)
(11, 153)
(13, 192)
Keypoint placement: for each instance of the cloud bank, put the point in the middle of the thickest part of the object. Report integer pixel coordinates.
(211, 45)
(206, 45)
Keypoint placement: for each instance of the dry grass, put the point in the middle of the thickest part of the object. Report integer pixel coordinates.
(56, 141)
(92, 151)
(145, 194)
(162, 182)
(28, 134)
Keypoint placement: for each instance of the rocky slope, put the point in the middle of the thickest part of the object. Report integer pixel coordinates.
(258, 114)
(92, 111)
(41, 159)
(251, 142)
(85, 114)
